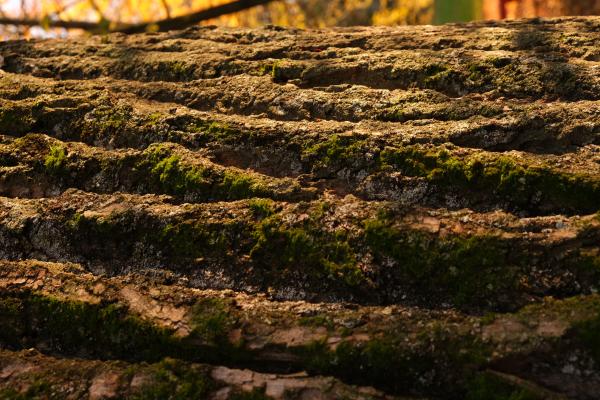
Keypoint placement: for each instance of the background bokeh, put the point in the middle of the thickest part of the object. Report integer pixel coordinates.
(298, 13)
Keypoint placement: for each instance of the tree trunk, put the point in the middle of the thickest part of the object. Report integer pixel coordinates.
(344, 213)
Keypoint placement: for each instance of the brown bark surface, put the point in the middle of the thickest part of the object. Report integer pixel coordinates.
(275, 213)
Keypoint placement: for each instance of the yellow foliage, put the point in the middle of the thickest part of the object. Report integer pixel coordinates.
(299, 13)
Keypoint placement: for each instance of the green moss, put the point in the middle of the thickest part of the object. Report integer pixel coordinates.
(586, 267)
(76, 221)
(173, 176)
(174, 380)
(11, 311)
(434, 69)
(261, 208)
(277, 72)
(235, 185)
(587, 332)
(55, 161)
(154, 119)
(254, 394)
(8, 158)
(490, 387)
(192, 239)
(306, 248)
(320, 320)
(212, 319)
(470, 270)
(39, 389)
(500, 175)
(176, 70)
(15, 120)
(100, 230)
(71, 327)
(441, 363)
(563, 80)
(488, 318)
(454, 110)
(108, 119)
(337, 152)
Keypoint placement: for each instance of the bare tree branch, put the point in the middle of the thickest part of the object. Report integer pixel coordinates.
(166, 7)
(88, 26)
(193, 18)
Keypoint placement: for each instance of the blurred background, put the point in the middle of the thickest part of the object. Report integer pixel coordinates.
(27, 18)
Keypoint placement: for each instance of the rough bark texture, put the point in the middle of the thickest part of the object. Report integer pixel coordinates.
(352, 213)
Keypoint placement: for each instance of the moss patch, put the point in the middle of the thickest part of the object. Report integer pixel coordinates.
(435, 363)
(174, 176)
(500, 175)
(470, 270)
(337, 152)
(212, 319)
(488, 386)
(306, 247)
(77, 328)
(174, 380)
(55, 161)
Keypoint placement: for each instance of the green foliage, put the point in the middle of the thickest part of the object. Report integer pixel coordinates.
(56, 160)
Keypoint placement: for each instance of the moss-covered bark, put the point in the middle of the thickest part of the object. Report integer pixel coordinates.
(413, 209)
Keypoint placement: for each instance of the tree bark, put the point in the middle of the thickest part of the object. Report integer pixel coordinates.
(361, 212)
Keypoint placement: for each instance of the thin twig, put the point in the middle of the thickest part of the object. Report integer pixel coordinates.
(85, 25)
